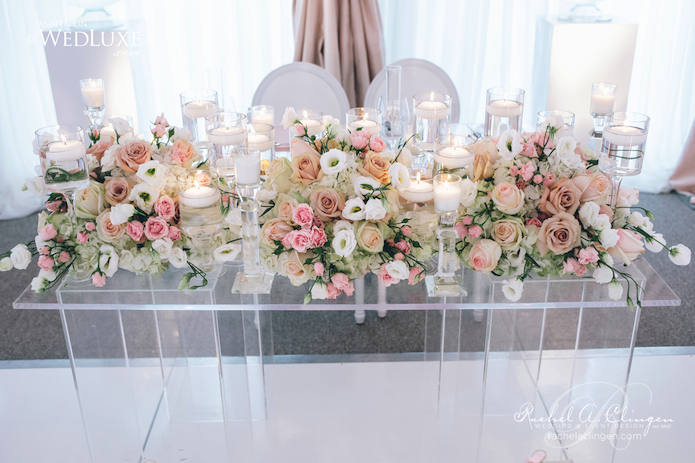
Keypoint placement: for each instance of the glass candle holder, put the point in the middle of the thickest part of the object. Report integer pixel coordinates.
(196, 105)
(622, 148)
(201, 218)
(312, 124)
(63, 158)
(363, 119)
(602, 103)
(262, 138)
(453, 153)
(420, 190)
(504, 110)
(247, 171)
(225, 133)
(432, 116)
(112, 126)
(253, 280)
(93, 99)
(262, 114)
(561, 123)
(447, 197)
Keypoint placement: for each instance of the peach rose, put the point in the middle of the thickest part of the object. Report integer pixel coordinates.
(292, 265)
(99, 148)
(107, 231)
(274, 230)
(327, 203)
(117, 190)
(484, 255)
(375, 165)
(306, 168)
(563, 196)
(485, 155)
(182, 152)
(594, 187)
(508, 234)
(286, 209)
(320, 143)
(131, 155)
(559, 234)
(629, 246)
(508, 198)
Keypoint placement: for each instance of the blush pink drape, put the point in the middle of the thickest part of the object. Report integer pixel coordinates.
(683, 177)
(343, 36)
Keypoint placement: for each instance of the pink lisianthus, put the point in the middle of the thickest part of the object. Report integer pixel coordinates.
(461, 230)
(467, 220)
(82, 237)
(606, 209)
(333, 292)
(406, 230)
(53, 206)
(48, 232)
(174, 234)
(386, 279)
(538, 179)
(98, 279)
(581, 271)
(159, 131)
(318, 237)
(64, 257)
(165, 207)
(136, 230)
(156, 228)
(318, 223)
(358, 141)
(161, 120)
(303, 215)
(301, 131)
(404, 246)
(318, 268)
(514, 171)
(377, 144)
(399, 256)
(534, 221)
(588, 256)
(549, 180)
(300, 240)
(475, 231)
(343, 283)
(90, 226)
(45, 250)
(46, 262)
(571, 265)
(414, 272)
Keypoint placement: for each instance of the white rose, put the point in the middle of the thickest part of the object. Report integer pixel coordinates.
(21, 257)
(319, 290)
(38, 284)
(601, 223)
(354, 209)
(343, 225)
(389, 155)
(679, 255)
(163, 247)
(178, 258)
(469, 192)
(405, 157)
(108, 260)
(615, 290)
(635, 219)
(371, 182)
(398, 269)
(108, 161)
(227, 252)
(509, 144)
(180, 134)
(608, 237)
(153, 173)
(48, 275)
(588, 214)
(603, 274)
(6, 264)
(513, 289)
(344, 242)
(564, 159)
(265, 195)
(144, 196)
(120, 213)
(36, 185)
(333, 162)
(374, 210)
(288, 118)
(400, 177)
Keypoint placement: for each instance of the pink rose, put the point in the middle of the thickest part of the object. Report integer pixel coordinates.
(581, 270)
(202, 178)
(303, 215)
(514, 171)
(327, 203)
(406, 230)
(358, 141)
(48, 232)
(99, 148)
(156, 228)
(529, 149)
(174, 234)
(580, 151)
(377, 144)
(318, 237)
(399, 256)
(299, 240)
(606, 209)
(45, 250)
(182, 152)
(467, 220)
(165, 207)
(161, 120)
(549, 180)
(159, 131)
(318, 268)
(286, 208)
(461, 230)
(343, 283)
(136, 230)
(475, 231)
(527, 171)
(98, 279)
(593, 187)
(563, 196)
(64, 257)
(46, 262)
(537, 179)
(534, 221)
(588, 256)
(130, 156)
(53, 206)
(484, 255)
(414, 272)
(629, 246)
(508, 198)
(560, 234)
(299, 128)
(386, 279)
(82, 237)
(90, 226)
(628, 196)
(404, 246)
(274, 230)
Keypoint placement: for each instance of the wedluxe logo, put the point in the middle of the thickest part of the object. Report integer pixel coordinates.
(88, 38)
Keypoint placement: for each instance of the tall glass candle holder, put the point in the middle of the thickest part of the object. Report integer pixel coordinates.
(453, 153)
(247, 171)
(196, 105)
(262, 114)
(262, 138)
(394, 108)
(432, 117)
(116, 127)
(201, 219)
(63, 158)
(504, 110)
(363, 119)
(622, 148)
(561, 122)
(447, 199)
(602, 103)
(253, 280)
(312, 123)
(93, 99)
(225, 133)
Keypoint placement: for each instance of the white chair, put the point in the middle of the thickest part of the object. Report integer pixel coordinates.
(417, 76)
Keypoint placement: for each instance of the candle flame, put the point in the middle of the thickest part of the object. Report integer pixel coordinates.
(418, 177)
(251, 129)
(197, 185)
(306, 116)
(432, 96)
(366, 115)
(62, 138)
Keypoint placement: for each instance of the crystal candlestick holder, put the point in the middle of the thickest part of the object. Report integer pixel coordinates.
(196, 105)
(504, 110)
(201, 220)
(253, 280)
(262, 138)
(602, 104)
(225, 133)
(432, 117)
(447, 198)
(93, 98)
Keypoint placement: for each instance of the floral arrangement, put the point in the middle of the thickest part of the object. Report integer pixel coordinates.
(534, 203)
(128, 216)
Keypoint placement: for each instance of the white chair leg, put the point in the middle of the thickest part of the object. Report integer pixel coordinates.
(359, 316)
(478, 315)
(382, 301)
(359, 300)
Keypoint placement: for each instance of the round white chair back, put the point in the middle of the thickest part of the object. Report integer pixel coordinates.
(417, 76)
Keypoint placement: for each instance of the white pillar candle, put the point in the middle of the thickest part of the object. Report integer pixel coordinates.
(92, 96)
(447, 197)
(263, 117)
(624, 135)
(260, 142)
(419, 191)
(247, 169)
(227, 135)
(364, 124)
(504, 108)
(453, 157)
(200, 108)
(602, 103)
(313, 127)
(432, 110)
(65, 150)
(199, 196)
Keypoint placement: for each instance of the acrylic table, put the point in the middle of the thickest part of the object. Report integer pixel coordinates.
(210, 376)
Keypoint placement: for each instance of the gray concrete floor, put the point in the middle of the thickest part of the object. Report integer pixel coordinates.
(37, 334)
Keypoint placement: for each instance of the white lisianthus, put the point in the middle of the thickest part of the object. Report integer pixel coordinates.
(36, 185)
(362, 180)
(344, 242)
(108, 161)
(679, 254)
(608, 237)
(343, 225)
(389, 155)
(469, 192)
(120, 125)
(334, 161)
(405, 157)
(588, 214)
(178, 258)
(6, 264)
(400, 177)
(266, 195)
(39, 284)
(120, 213)
(108, 260)
(516, 258)
(289, 117)
(144, 196)
(319, 290)
(564, 160)
(509, 144)
(343, 136)
(635, 219)
(180, 134)
(153, 173)
(48, 275)
(354, 209)
(647, 226)
(227, 252)
(21, 257)
(163, 247)
(374, 210)
(656, 244)
(602, 274)
(513, 289)
(601, 223)
(398, 269)
(615, 289)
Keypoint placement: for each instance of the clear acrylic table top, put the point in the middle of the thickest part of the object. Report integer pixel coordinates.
(127, 291)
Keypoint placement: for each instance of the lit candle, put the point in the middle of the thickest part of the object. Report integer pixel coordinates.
(200, 108)
(419, 191)
(93, 95)
(453, 156)
(263, 117)
(313, 127)
(602, 103)
(107, 131)
(447, 197)
(65, 150)
(504, 108)
(247, 169)
(433, 110)
(259, 141)
(199, 196)
(364, 124)
(227, 135)
(624, 135)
